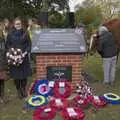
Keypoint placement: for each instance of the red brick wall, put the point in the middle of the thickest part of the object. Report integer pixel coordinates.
(45, 60)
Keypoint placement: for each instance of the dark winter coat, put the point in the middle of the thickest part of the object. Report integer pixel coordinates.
(20, 39)
(3, 63)
(107, 46)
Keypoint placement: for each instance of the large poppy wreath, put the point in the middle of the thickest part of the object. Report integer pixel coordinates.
(62, 89)
(73, 113)
(82, 103)
(59, 104)
(44, 113)
(42, 87)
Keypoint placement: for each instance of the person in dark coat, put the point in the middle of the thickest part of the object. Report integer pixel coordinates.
(108, 50)
(3, 64)
(19, 38)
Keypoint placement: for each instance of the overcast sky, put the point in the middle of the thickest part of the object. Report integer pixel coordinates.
(73, 3)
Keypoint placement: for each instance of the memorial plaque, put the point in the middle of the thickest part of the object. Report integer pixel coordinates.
(59, 73)
(58, 41)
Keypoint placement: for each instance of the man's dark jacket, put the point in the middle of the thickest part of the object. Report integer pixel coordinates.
(107, 47)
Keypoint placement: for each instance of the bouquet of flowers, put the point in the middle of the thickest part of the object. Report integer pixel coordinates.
(84, 90)
(15, 56)
(84, 97)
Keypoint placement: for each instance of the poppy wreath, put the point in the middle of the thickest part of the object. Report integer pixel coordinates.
(111, 98)
(42, 87)
(59, 104)
(82, 103)
(73, 113)
(62, 89)
(35, 101)
(98, 102)
(44, 113)
(15, 56)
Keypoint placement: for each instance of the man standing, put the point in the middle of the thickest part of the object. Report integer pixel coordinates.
(108, 51)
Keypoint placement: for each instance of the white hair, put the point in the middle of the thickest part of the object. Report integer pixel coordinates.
(102, 29)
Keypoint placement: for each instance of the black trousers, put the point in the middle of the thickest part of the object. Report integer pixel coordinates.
(21, 87)
(2, 84)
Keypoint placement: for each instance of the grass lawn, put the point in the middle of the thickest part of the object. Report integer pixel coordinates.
(14, 109)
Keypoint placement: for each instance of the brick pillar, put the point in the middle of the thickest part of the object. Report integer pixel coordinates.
(45, 60)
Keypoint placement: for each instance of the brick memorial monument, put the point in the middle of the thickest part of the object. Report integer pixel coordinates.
(59, 54)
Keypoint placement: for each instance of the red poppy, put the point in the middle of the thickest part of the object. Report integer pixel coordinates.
(44, 113)
(59, 104)
(73, 114)
(62, 89)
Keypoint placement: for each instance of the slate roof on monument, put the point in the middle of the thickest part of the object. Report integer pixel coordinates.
(58, 41)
